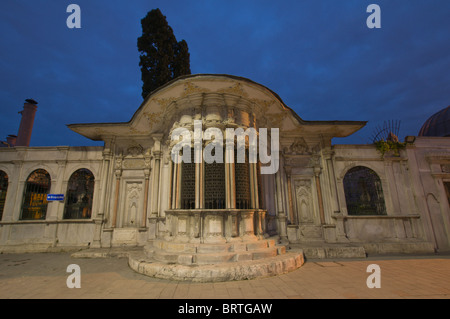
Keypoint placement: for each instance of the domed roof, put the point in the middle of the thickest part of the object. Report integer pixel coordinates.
(438, 124)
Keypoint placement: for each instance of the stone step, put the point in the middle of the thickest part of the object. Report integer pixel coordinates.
(257, 245)
(175, 247)
(264, 253)
(214, 248)
(240, 270)
(212, 258)
(216, 258)
(193, 248)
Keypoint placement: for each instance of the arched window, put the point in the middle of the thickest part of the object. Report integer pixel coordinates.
(35, 195)
(80, 192)
(3, 190)
(363, 192)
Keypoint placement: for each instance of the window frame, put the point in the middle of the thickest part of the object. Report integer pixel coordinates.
(28, 194)
(368, 185)
(85, 198)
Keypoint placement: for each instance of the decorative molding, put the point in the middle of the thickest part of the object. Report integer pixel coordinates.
(438, 157)
(153, 118)
(135, 150)
(236, 89)
(164, 103)
(134, 190)
(134, 164)
(190, 88)
(298, 147)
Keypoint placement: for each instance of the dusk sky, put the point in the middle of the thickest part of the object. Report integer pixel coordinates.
(319, 56)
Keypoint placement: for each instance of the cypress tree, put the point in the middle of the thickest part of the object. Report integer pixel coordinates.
(162, 58)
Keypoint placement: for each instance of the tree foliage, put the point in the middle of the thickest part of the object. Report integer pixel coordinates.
(162, 58)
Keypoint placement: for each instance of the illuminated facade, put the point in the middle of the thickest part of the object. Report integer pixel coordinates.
(329, 200)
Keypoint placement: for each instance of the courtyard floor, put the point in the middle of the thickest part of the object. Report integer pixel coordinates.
(44, 276)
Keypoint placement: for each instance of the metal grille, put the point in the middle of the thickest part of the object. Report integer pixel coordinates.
(3, 190)
(35, 195)
(215, 185)
(80, 192)
(242, 182)
(188, 184)
(363, 192)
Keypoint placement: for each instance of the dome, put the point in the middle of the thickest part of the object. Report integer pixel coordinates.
(438, 124)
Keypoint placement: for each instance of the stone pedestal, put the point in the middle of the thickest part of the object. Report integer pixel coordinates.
(214, 245)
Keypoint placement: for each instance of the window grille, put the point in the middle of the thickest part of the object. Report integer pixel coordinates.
(242, 182)
(215, 185)
(3, 190)
(80, 193)
(188, 183)
(36, 189)
(363, 192)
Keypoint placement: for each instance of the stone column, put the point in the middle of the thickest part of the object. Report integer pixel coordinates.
(176, 184)
(16, 212)
(118, 174)
(61, 188)
(104, 179)
(230, 183)
(247, 229)
(155, 183)
(260, 223)
(288, 170)
(253, 168)
(317, 171)
(280, 214)
(147, 171)
(330, 167)
(199, 175)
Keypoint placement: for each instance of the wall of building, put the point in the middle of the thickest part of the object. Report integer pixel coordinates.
(60, 162)
(416, 219)
(430, 164)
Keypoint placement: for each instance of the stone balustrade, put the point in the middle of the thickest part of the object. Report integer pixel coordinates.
(215, 226)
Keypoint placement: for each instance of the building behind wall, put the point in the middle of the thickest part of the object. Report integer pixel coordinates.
(331, 200)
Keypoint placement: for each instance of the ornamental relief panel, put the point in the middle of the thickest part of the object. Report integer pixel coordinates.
(303, 198)
(133, 204)
(135, 150)
(445, 168)
(134, 164)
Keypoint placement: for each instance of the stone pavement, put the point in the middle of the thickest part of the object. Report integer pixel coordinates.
(44, 275)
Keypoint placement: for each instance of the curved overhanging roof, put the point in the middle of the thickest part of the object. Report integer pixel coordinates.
(193, 90)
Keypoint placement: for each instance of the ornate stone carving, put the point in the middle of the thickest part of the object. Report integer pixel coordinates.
(134, 164)
(119, 160)
(236, 89)
(298, 147)
(264, 105)
(276, 120)
(153, 118)
(190, 88)
(135, 150)
(165, 102)
(131, 213)
(133, 190)
(304, 200)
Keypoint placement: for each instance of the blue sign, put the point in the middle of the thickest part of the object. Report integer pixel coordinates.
(55, 197)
